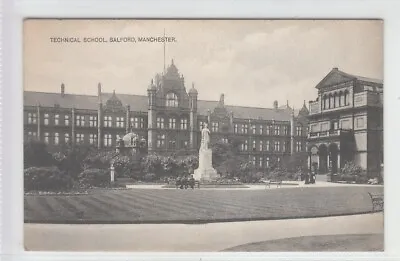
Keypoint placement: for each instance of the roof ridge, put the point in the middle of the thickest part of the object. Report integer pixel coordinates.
(75, 94)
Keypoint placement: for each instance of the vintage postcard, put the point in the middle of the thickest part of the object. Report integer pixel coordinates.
(203, 135)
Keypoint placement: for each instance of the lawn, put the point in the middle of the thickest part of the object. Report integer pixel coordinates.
(331, 243)
(196, 206)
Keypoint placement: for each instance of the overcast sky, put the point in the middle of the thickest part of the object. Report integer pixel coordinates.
(252, 62)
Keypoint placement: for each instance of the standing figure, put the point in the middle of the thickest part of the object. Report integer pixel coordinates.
(205, 137)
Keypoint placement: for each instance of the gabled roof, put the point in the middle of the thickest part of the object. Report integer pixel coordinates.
(139, 103)
(335, 76)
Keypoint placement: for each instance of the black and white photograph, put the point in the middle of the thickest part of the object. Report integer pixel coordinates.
(151, 135)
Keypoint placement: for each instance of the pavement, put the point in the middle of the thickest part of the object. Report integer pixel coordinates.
(262, 186)
(190, 238)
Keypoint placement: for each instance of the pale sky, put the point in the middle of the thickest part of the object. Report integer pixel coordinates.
(252, 62)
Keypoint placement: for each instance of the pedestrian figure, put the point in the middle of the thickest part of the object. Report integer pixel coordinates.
(191, 182)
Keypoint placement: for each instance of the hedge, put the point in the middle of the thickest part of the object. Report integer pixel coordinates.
(94, 178)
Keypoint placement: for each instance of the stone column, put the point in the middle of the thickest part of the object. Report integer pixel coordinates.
(38, 121)
(99, 117)
(338, 161)
(73, 126)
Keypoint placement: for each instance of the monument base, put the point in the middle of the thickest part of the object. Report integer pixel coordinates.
(205, 175)
(205, 172)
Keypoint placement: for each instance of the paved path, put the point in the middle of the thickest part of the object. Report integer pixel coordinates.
(260, 187)
(180, 237)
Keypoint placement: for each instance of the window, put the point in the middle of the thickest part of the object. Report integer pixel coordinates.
(93, 121)
(254, 145)
(160, 123)
(341, 99)
(92, 138)
(244, 145)
(268, 130)
(201, 125)
(261, 129)
(253, 129)
(276, 130)
(235, 128)
(137, 122)
(214, 126)
(298, 146)
(253, 160)
(107, 140)
(225, 140)
(267, 147)
(261, 145)
(337, 100)
(107, 121)
(244, 128)
(346, 98)
(171, 100)
(46, 137)
(160, 140)
(172, 144)
(172, 123)
(79, 138)
(185, 143)
(66, 120)
(260, 162)
(56, 119)
(66, 138)
(31, 134)
(80, 120)
(276, 146)
(184, 124)
(46, 119)
(298, 131)
(56, 138)
(120, 122)
(267, 162)
(32, 118)
(285, 130)
(326, 102)
(286, 146)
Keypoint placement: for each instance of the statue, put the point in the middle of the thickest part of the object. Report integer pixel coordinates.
(221, 101)
(205, 171)
(205, 137)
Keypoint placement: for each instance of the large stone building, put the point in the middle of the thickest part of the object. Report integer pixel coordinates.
(346, 122)
(169, 118)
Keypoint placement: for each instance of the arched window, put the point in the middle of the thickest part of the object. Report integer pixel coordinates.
(325, 101)
(337, 99)
(346, 98)
(331, 101)
(341, 98)
(171, 100)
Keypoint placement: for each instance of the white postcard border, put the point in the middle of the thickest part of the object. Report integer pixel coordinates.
(11, 104)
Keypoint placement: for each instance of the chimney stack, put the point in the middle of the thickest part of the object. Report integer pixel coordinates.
(62, 89)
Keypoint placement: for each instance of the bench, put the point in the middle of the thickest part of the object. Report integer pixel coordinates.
(269, 182)
(377, 201)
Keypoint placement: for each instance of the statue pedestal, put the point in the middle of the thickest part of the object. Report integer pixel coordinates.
(205, 172)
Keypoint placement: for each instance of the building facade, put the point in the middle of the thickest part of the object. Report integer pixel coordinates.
(169, 119)
(346, 123)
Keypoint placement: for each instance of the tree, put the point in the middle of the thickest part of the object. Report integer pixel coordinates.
(36, 154)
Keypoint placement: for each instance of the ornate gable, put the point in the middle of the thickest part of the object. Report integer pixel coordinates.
(114, 104)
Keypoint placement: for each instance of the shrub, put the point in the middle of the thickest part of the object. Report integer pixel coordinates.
(94, 178)
(150, 177)
(46, 179)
